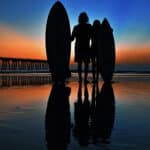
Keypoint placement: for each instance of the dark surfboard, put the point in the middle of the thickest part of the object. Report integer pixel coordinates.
(108, 52)
(58, 42)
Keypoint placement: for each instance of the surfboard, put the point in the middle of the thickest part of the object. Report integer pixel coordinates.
(108, 52)
(58, 42)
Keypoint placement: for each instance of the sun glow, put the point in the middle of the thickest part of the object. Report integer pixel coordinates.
(18, 45)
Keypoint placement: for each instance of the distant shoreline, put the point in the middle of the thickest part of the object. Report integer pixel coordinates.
(119, 71)
(73, 71)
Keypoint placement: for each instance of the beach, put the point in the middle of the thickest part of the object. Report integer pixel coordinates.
(24, 102)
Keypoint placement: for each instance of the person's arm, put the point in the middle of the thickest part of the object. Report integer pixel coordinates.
(91, 35)
(73, 34)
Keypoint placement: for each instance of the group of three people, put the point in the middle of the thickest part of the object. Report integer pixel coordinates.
(88, 45)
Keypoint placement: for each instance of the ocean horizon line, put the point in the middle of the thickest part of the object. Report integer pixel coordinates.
(73, 71)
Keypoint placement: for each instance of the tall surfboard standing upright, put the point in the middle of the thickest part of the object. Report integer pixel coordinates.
(108, 52)
(58, 43)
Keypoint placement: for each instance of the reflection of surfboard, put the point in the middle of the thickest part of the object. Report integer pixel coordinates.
(105, 111)
(58, 42)
(108, 52)
(57, 118)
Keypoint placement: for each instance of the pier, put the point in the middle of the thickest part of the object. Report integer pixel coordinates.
(18, 65)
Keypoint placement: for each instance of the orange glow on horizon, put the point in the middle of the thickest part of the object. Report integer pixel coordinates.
(139, 54)
(18, 45)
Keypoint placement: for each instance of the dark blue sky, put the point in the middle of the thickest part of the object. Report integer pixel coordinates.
(30, 16)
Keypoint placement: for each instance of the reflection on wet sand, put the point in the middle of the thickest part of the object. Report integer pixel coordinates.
(105, 112)
(94, 119)
(92, 109)
(57, 119)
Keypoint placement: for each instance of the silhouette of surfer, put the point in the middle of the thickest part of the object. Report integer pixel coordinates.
(96, 48)
(82, 34)
(57, 118)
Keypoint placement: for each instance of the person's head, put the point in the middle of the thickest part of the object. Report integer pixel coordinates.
(96, 23)
(83, 18)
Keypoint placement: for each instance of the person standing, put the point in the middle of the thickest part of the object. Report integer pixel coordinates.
(82, 35)
(96, 48)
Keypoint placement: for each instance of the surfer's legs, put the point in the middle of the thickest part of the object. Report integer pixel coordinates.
(97, 74)
(93, 68)
(97, 70)
(86, 66)
(79, 70)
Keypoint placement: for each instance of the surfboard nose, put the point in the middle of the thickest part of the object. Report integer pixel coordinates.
(58, 4)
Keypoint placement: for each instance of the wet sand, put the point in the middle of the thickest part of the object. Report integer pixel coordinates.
(23, 110)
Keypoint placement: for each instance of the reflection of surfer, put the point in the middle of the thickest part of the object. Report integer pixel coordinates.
(82, 34)
(81, 115)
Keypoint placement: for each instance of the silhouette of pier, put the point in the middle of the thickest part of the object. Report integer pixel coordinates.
(18, 65)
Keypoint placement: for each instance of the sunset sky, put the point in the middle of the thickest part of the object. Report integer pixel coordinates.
(23, 23)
